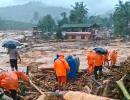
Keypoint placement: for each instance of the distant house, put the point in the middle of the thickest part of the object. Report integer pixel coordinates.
(79, 31)
(36, 32)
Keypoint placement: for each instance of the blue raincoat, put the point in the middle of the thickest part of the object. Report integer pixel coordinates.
(77, 61)
(73, 70)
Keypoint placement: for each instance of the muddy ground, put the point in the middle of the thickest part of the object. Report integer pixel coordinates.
(42, 58)
(43, 54)
(46, 81)
(39, 56)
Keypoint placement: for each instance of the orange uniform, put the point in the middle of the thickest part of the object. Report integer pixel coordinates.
(61, 67)
(9, 80)
(98, 60)
(113, 57)
(106, 57)
(90, 59)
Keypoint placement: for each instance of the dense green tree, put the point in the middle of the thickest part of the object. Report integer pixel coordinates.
(79, 13)
(121, 19)
(64, 19)
(103, 21)
(47, 24)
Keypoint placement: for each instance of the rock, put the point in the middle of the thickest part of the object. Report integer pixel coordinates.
(106, 70)
(86, 89)
(57, 91)
(83, 96)
(62, 92)
(42, 97)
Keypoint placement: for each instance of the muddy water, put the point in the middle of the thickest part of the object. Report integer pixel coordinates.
(4, 58)
(47, 52)
(43, 54)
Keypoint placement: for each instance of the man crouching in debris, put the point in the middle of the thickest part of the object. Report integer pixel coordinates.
(9, 82)
(98, 64)
(61, 67)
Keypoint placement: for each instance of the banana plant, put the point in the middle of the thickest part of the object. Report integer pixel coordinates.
(123, 88)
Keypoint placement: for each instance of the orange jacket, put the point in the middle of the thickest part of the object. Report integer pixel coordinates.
(90, 57)
(61, 66)
(113, 55)
(98, 60)
(9, 80)
(106, 57)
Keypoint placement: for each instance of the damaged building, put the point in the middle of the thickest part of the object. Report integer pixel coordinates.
(79, 31)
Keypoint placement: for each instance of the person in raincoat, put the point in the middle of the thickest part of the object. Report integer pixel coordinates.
(72, 74)
(14, 56)
(98, 64)
(77, 61)
(9, 81)
(61, 68)
(113, 57)
(67, 56)
(90, 60)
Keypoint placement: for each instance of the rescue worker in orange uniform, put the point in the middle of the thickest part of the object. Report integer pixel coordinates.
(61, 67)
(98, 62)
(9, 81)
(90, 59)
(106, 59)
(113, 57)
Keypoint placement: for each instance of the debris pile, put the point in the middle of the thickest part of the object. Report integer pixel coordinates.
(45, 79)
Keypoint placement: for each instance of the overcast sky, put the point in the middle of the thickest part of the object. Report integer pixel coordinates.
(93, 5)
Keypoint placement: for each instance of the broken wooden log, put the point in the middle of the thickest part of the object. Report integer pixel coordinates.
(37, 88)
(98, 83)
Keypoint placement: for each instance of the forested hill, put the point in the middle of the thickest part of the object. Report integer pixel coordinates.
(14, 25)
(25, 13)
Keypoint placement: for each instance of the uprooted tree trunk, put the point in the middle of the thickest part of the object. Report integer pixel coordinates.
(122, 87)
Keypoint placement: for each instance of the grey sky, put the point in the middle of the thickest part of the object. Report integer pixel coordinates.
(97, 6)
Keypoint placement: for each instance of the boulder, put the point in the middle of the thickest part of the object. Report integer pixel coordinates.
(42, 97)
(86, 89)
(83, 96)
